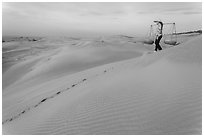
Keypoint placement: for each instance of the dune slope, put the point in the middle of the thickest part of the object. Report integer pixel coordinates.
(153, 94)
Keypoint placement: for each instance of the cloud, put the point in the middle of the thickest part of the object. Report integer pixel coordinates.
(108, 16)
(192, 12)
(171, 8)
(92, 13)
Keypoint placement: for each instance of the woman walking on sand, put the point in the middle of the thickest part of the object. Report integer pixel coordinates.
(158, 35)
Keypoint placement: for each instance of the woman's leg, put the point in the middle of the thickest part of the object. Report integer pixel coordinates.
(158, 40)
(156, 44)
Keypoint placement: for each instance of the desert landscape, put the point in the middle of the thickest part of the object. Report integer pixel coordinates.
(93, 68)
(109, 85)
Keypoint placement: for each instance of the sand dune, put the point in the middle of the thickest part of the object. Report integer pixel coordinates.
(114, 87)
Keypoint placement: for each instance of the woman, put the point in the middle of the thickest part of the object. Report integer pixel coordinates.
(158, 35)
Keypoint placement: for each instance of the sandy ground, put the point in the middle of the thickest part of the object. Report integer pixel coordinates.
(113, 85)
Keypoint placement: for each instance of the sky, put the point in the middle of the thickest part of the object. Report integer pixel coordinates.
(91, 19)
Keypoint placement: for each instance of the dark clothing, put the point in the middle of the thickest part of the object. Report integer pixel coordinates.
(158, 35)
(157, 46)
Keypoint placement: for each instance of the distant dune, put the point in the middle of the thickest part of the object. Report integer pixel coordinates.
(110, 85)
